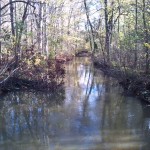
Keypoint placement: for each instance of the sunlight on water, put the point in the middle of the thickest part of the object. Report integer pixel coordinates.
(90, 113)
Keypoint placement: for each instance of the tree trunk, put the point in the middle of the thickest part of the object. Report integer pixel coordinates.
(0, 34)
(39, 26)
(107, 38)
(91, 28)
(44, 29)
(19, 37)
(136, 32)
(12, 18)
(145, 39)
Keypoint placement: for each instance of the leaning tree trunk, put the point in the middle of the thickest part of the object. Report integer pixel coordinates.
(91, 28)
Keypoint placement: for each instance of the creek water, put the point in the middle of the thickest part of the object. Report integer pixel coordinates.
(89, 113)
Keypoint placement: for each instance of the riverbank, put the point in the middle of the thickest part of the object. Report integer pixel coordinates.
(133, 83)
(83, 53)
(38, 75)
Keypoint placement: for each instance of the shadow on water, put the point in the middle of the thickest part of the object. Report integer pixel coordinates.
(90, 113)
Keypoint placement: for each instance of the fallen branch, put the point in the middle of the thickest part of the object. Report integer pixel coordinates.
(10, 75)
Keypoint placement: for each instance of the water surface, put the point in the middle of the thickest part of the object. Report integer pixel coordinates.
(89, 113)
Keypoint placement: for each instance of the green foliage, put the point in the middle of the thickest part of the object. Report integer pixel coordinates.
(147, 45)
(51, 54)
(131, 38)
(19, 26)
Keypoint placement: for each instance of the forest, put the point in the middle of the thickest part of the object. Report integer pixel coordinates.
(38, 36)
(74, 74)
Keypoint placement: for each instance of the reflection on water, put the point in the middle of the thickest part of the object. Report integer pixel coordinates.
(90, 113)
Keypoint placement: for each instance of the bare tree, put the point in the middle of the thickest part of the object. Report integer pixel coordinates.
(91, 27)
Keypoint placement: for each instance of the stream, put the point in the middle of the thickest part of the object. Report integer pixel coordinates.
(89, 113)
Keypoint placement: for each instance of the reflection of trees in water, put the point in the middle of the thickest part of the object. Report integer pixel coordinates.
(88, 87)
(94, 107)
(119, 112)
(25, 115)
(146, 122)
(121, 119)
(93, 91)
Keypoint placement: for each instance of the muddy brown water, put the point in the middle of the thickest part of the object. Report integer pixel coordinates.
(89, 113)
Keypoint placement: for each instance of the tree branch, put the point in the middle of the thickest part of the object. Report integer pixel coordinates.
(17, 1)
(10, 75)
